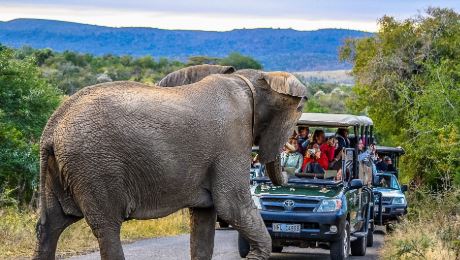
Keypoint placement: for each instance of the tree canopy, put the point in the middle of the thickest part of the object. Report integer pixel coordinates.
(26, 102)
(408, 81)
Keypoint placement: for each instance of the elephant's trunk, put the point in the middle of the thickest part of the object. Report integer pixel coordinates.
(273, 170)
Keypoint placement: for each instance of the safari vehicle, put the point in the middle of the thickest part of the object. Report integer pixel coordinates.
(320, 210)
(393, 201)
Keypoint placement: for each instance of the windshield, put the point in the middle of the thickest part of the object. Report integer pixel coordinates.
(386, 181)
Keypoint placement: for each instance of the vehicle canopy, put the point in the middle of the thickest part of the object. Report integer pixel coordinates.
(333, 120)
(390, 150)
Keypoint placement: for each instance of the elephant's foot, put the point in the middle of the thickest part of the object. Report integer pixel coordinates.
(49, 230)
(246, 219)
(109, 243)
(202, 224)
(258, 255)
(107, 232)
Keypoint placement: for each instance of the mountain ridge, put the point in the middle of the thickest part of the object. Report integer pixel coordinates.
(276, 49)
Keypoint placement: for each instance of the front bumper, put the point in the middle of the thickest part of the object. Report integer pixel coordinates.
(393, 212)
(315, 227)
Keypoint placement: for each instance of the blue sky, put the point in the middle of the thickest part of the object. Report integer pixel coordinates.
(219, 15)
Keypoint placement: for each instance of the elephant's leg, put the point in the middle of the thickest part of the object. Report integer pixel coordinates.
(49, 228)
(233, 203)
(202, 224)
(250, 225)
(107, 233)
(103, 204)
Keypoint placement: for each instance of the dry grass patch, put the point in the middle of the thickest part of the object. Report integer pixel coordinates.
(431, 230)
(17, 233)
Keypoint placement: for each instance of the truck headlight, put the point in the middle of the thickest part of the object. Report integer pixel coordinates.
(399, 201)
(329, 205)
(256, 200)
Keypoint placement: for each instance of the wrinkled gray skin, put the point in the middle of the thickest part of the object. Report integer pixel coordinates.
(124, 150)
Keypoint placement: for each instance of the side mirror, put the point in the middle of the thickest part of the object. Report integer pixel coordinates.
(356, 184)
(404, 188)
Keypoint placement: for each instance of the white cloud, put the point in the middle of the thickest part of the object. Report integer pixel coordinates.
(221, 15)
(172, 20)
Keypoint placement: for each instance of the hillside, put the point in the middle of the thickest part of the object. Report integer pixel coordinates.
(341, 77)
(276, 49)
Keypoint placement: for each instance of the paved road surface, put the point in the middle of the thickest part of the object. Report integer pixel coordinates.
(177, 247)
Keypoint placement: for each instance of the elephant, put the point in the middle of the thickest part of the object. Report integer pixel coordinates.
(124, 150)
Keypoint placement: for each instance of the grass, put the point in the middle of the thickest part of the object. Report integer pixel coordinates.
(17, 233)
(431, 229)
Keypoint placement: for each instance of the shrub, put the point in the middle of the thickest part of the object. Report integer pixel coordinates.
(431, 229)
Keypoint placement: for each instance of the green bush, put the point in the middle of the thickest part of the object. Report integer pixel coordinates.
(26, 102)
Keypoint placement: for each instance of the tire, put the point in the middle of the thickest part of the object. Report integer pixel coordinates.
(223, 224)
(359, 246)
(370, 235)
(340, 249)
(243, 246)
(277, 249)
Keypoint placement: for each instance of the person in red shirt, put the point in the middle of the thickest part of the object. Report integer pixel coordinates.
(328, 148)
(314, 155)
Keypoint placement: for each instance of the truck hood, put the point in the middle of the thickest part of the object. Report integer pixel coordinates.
(307, 190)
(389, 192)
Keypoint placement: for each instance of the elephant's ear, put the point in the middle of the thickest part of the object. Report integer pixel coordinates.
(193, 74)
(285, 83)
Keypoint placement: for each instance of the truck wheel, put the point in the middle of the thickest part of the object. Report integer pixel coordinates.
(340, 249)
(223, 224)
(358, 247)
(277, 249)
(243, 246)
(370, 235)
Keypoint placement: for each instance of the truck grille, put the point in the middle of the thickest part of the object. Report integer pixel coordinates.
(387, 200)
(296, 204)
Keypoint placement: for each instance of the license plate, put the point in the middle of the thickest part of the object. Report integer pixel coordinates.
(281, 227)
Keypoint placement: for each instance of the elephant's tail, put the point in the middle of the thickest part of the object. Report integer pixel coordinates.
(45, 153)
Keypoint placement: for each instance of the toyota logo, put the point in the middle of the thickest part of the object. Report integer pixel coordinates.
(288, 204)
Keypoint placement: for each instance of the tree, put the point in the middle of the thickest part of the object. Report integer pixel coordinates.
(26, 102)
(233, 59)
(240, 61)
(197, 60)
(408, 80)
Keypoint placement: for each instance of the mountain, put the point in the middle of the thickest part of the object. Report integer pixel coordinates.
(276, 49)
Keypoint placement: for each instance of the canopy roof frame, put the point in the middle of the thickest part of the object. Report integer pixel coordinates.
(333, 120)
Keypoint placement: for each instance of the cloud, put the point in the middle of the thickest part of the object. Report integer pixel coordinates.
(221, 15)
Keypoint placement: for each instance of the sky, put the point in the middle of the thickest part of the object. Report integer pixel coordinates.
(220, 15)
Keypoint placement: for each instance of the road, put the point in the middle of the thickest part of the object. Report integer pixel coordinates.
(226, 247)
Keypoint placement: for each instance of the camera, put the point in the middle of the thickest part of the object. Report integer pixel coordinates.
(312, 152)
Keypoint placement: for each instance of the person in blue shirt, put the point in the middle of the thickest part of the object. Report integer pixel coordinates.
(291, 159)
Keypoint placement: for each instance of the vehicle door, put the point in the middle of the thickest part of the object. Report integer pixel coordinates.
(354, 196)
